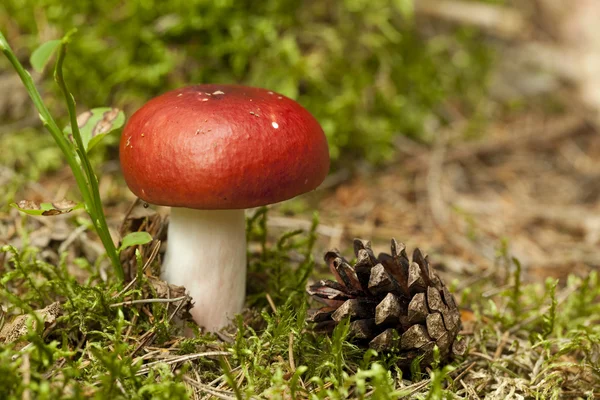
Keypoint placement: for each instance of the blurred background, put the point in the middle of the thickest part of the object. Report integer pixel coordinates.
(468, 128)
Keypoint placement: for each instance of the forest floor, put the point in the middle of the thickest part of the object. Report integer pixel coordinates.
(527, 190)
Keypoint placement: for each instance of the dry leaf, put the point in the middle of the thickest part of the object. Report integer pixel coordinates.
(15, 329)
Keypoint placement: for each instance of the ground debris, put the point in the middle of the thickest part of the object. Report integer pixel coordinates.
(18, 327)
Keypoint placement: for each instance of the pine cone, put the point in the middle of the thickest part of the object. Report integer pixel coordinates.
(393, 304)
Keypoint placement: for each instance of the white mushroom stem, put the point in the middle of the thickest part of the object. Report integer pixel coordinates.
(206, 253)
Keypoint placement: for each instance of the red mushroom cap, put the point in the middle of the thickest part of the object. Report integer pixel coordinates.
(222, 147)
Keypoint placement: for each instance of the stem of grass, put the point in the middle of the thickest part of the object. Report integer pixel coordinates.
(75, 155)
(98, 217)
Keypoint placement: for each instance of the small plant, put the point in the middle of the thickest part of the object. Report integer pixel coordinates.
(83, 133)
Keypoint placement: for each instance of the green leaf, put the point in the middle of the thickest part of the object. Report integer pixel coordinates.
(134, 239)
(96, 123)
(40, 56)
(46, 209)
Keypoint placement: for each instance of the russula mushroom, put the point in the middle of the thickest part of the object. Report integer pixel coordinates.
(209, 152)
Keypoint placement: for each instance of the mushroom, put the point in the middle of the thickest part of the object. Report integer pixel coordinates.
(209, 152)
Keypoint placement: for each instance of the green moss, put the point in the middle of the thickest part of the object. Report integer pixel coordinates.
(552, 339)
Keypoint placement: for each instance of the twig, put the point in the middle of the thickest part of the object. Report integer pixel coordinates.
(481, 355)
(465, 371)
(26, 376)
(71, 238)
(176, 360)
(179, 306)
(469, 389)
(218, 393)
(271, 303)
(146, 301)
(153, 255)
(415, 387)
(291, 352)
(501, 345)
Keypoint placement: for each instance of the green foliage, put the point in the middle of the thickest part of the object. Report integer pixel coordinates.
(73, 150)
(37, 209)
(134, 239)
(96, 124)
(361, 67)
(269, 264)
(103, 367)
(550, 317)
(515, 298)
(40, 56)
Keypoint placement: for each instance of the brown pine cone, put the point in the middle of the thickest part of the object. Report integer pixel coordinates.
(393, 304)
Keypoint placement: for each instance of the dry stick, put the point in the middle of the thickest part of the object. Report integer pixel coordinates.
(494, 291)
(146, 368)
(501, 345)
(240, 378)
(574, 393)
(571, 216)
(148, 355)
(271, 303)
(179, 306)
(296, 223)
(481, 355)
(146, 265)
(71, 238)
(221, 378)
(415, 387)
(149, 336)
(196, 390)
(121, 388)
(291, 352)
(146, 301)
(473, 280)
(469, 390)
(26, 376)
(130, 329)
(220, 394)
(465, 371)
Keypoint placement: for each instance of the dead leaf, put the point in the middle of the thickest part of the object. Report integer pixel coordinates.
(106, 123)
(46, 209)
(12, 331)
(165, 290)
